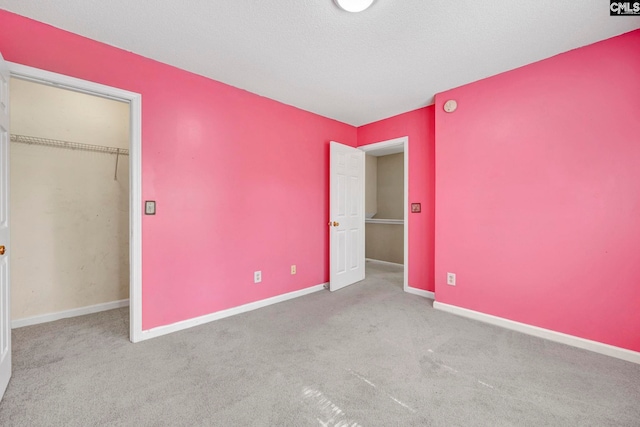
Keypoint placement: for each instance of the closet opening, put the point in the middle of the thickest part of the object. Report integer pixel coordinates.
(69, 203)
(386, 200)
(107, 235)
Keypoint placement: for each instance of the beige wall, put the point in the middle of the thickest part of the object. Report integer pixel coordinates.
(385, 242)
(371, 185)
(391, 186)
(69, 217)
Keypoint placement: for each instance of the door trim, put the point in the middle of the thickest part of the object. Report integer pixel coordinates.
(390, 145)
(135, 167)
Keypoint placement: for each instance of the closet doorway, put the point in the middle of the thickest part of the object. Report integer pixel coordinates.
(386, 204)
(87, 227)
(69, 203)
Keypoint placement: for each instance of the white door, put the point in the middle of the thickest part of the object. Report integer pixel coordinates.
(5, 325)
(346, 209)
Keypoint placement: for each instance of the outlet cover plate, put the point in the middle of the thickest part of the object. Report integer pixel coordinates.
(451, 279)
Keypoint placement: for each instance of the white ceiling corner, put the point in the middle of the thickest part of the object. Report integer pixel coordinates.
(353, 67)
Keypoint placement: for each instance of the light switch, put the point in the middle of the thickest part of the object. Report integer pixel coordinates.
(150, 207)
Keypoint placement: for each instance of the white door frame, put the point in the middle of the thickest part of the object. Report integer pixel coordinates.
(135, 172)
(393, 146)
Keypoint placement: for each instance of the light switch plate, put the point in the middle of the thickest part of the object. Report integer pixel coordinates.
(150, 207)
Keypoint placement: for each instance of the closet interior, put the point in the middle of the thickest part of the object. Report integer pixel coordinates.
(69, 203)
(384, 208)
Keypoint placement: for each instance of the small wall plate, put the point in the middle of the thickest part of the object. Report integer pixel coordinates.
(450, 106)
(150, 207)
(415, 208)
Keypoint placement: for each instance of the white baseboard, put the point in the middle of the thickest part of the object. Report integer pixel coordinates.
(185, 324)
(420, 292)
(384, 262)
(595, 346)
(50, 317)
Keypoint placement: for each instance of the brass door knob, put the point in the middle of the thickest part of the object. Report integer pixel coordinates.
(335, 224)
(2, 250)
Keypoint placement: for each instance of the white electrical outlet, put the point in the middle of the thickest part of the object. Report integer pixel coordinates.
(451, 279)
(293, 269)
(257, 276)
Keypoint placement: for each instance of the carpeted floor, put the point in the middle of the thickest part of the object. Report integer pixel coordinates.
(366, 355)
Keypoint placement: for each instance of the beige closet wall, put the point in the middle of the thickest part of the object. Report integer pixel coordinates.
(69, 217)
(371, 185)
(391, 186)
(385, 242)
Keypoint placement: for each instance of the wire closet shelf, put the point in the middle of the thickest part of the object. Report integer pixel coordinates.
(34, 140)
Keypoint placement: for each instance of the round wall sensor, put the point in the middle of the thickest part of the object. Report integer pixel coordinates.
(450, 106)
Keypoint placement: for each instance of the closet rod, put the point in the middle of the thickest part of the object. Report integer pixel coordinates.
(33, 140)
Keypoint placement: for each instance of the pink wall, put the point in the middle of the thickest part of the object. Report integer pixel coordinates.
(418, 125)
(538, 194)
(241, 181)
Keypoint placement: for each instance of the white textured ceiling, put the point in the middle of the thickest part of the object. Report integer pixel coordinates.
(355, 68)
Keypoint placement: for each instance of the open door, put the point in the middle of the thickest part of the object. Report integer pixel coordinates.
(5, 322)
(346, 209)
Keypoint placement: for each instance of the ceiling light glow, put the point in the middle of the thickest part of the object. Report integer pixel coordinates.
(354, 5)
